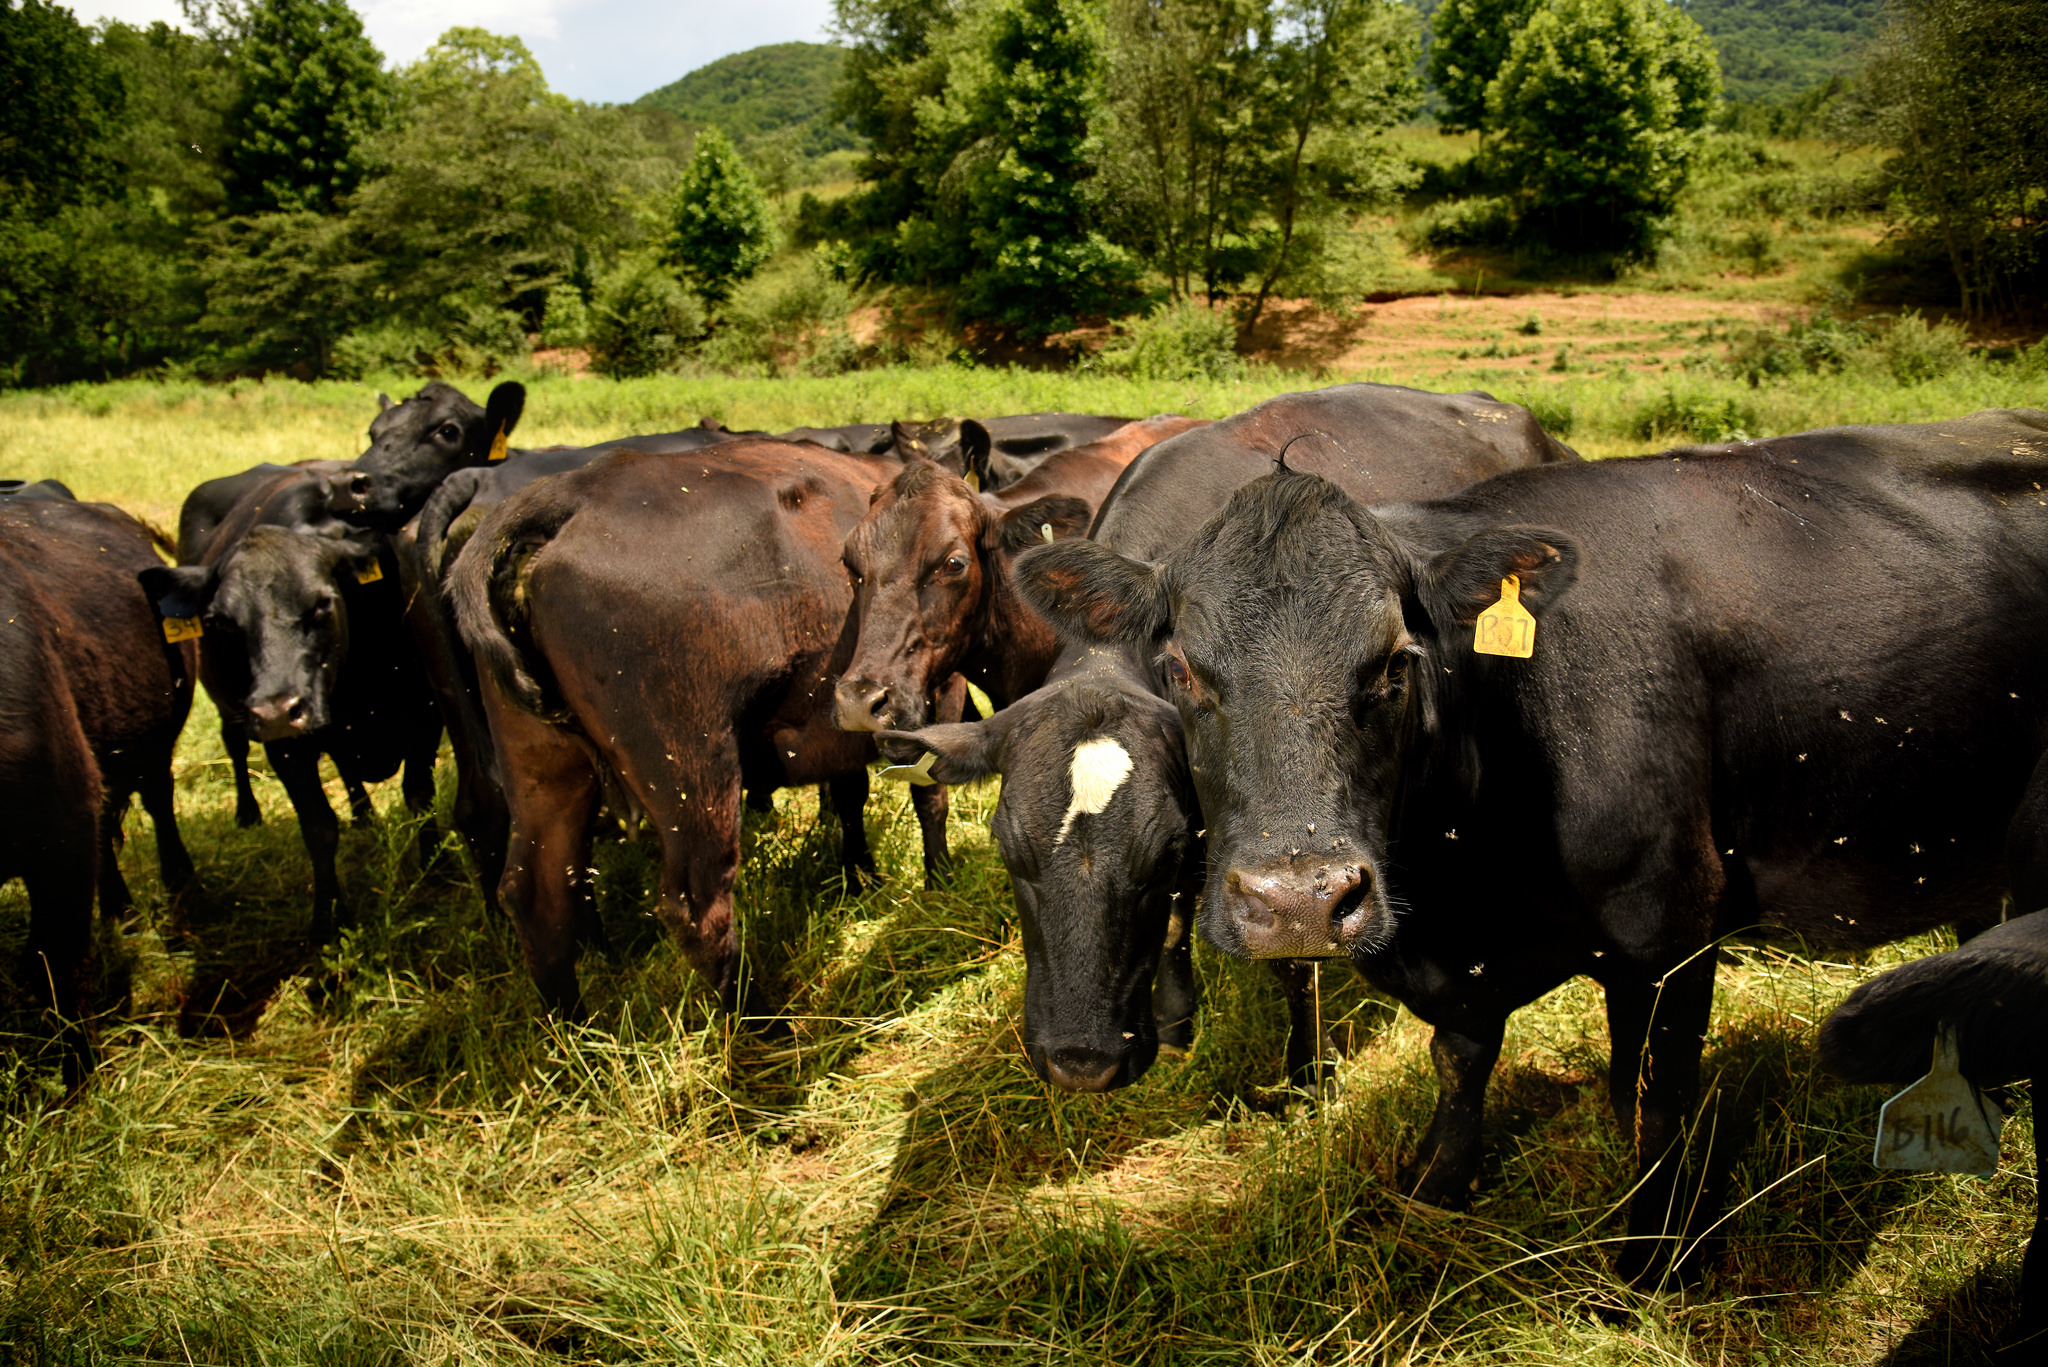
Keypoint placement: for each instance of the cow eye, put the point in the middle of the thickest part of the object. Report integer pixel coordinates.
(1179, 675)
(956, 564)
(449, 432)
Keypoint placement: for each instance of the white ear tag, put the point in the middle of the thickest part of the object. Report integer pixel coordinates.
(918, 774)
(1045, 530)
(1941, 1123)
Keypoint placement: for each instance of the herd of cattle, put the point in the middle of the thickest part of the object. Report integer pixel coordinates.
(1247, 676)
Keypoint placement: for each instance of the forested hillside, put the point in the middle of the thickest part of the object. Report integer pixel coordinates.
(763, 91)
(1771, 49)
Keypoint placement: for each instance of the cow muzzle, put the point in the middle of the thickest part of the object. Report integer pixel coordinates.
(864, 705)
(280, 718)
(1081, 1069)
(1283, 912)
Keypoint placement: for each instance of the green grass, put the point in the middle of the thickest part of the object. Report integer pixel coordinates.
(389, 1156)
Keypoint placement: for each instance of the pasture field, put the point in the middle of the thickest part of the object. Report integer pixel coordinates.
(384, 1155)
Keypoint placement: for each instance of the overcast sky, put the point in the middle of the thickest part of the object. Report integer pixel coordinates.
(610, 51)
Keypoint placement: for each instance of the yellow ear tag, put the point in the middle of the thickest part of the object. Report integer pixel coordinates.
(973, 481)
(1506, 628)
(370, 573)
(919, 774)
(178, 629)
(498, 444)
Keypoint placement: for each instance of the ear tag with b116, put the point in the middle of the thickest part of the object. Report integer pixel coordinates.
(918, 774)
(1941, 1123)
(178, 629)
(1506, 628)
(370, 573)
(498, 444)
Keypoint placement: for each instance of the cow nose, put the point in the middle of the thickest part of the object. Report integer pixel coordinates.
(278, 718)
(1285, 914)
(1083, 1070)
(861, 704)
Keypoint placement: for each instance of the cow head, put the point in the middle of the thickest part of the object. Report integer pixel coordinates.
(416, 444)
(275, 617)
(1095, 825)
(927, 562)
(1301, 641)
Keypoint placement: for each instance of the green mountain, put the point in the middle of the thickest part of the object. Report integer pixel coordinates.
(1773, 49)
(783, 88)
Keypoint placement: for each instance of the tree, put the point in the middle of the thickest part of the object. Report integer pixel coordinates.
(1955, 87)
(1600, 108)
(58, 100)
(723, 231)
(313, 90)
(1468, 42)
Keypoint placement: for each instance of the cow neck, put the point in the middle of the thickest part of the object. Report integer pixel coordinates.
(1016, 647)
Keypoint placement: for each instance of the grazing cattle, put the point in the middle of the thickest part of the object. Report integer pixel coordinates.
(94, 699)
(931, 570)
(304, 649)
(416, 444)
(1993, 992)
(1789, 685)
(1104, 873)
(41, 488)
(209, 504)
(662, 631)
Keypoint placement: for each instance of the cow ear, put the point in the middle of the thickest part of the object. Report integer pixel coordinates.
(1021, 528)
(961, 751)
(178, 590)
(501, 415)
(976, 447)
(1464, 581)
(384, 401)
(1089, 592)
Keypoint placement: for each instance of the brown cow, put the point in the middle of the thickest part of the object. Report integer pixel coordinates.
(660, 631)
(931, 568)
(95, 699)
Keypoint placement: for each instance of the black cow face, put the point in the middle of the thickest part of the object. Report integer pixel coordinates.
(416, 444)
(1298, 637)
(1095, 827)
(275, 620)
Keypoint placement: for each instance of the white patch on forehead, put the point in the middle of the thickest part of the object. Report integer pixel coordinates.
(1099, 768)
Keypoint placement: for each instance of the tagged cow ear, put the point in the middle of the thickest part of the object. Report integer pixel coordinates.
(1464, 581)
(501, 415)
(177, 590)
(1089, 592)
(961, 751)
(1025, 527)
(976, 449)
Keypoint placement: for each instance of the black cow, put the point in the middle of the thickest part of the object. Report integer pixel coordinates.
(1790, 685)
(94, 698)
(1994, 993)
(1104, 871)
(416, 444)
(209, 504)
(41, 488)
(304, 649)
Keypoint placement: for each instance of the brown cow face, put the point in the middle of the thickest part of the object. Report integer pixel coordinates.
(920, 567)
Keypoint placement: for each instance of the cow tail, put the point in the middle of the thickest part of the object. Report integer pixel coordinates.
(486, 588)
(450, 497)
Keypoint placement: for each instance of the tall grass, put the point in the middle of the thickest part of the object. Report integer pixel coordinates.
(387, 1155)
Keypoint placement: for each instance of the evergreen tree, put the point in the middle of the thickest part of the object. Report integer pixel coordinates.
(723, 231)
(1601, 107)
(58, 100)
(313, 90)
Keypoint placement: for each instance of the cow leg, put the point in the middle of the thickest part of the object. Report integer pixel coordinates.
(297, 765)
(173, 860)
(1655, 1027)
(417, 787)
(850, 800)
(1174, 991)
(115, 900)
(60, 940)
(1446, 1162)
(551, 793)
(361, 812)
(931, 803)
(234, 738)
(700, 849)
(1311, 1067)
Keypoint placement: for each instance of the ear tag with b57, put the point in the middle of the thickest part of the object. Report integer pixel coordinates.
(369, 573)
(1506, 628)
(1941, 1123)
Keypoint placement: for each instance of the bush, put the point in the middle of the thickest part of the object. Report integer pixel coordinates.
(1553, 410)
(1482, 221)
(565, 320)
(796, 323)
(1175, 342)
(1821, 344)
(1912, 350)
(642, 323)
(1701, 417)
(392, 348)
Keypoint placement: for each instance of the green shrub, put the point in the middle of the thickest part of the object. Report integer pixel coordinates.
(1175, 342)
(1912, 350)
(1481, 221)
(565, 321)
(788, 323)
(1553, 410)
(1706, 418)
(393, 348)
(1822, 344)
(643, 322)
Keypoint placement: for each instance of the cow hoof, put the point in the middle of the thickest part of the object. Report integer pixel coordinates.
(1421, 1180)
(247, 815)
